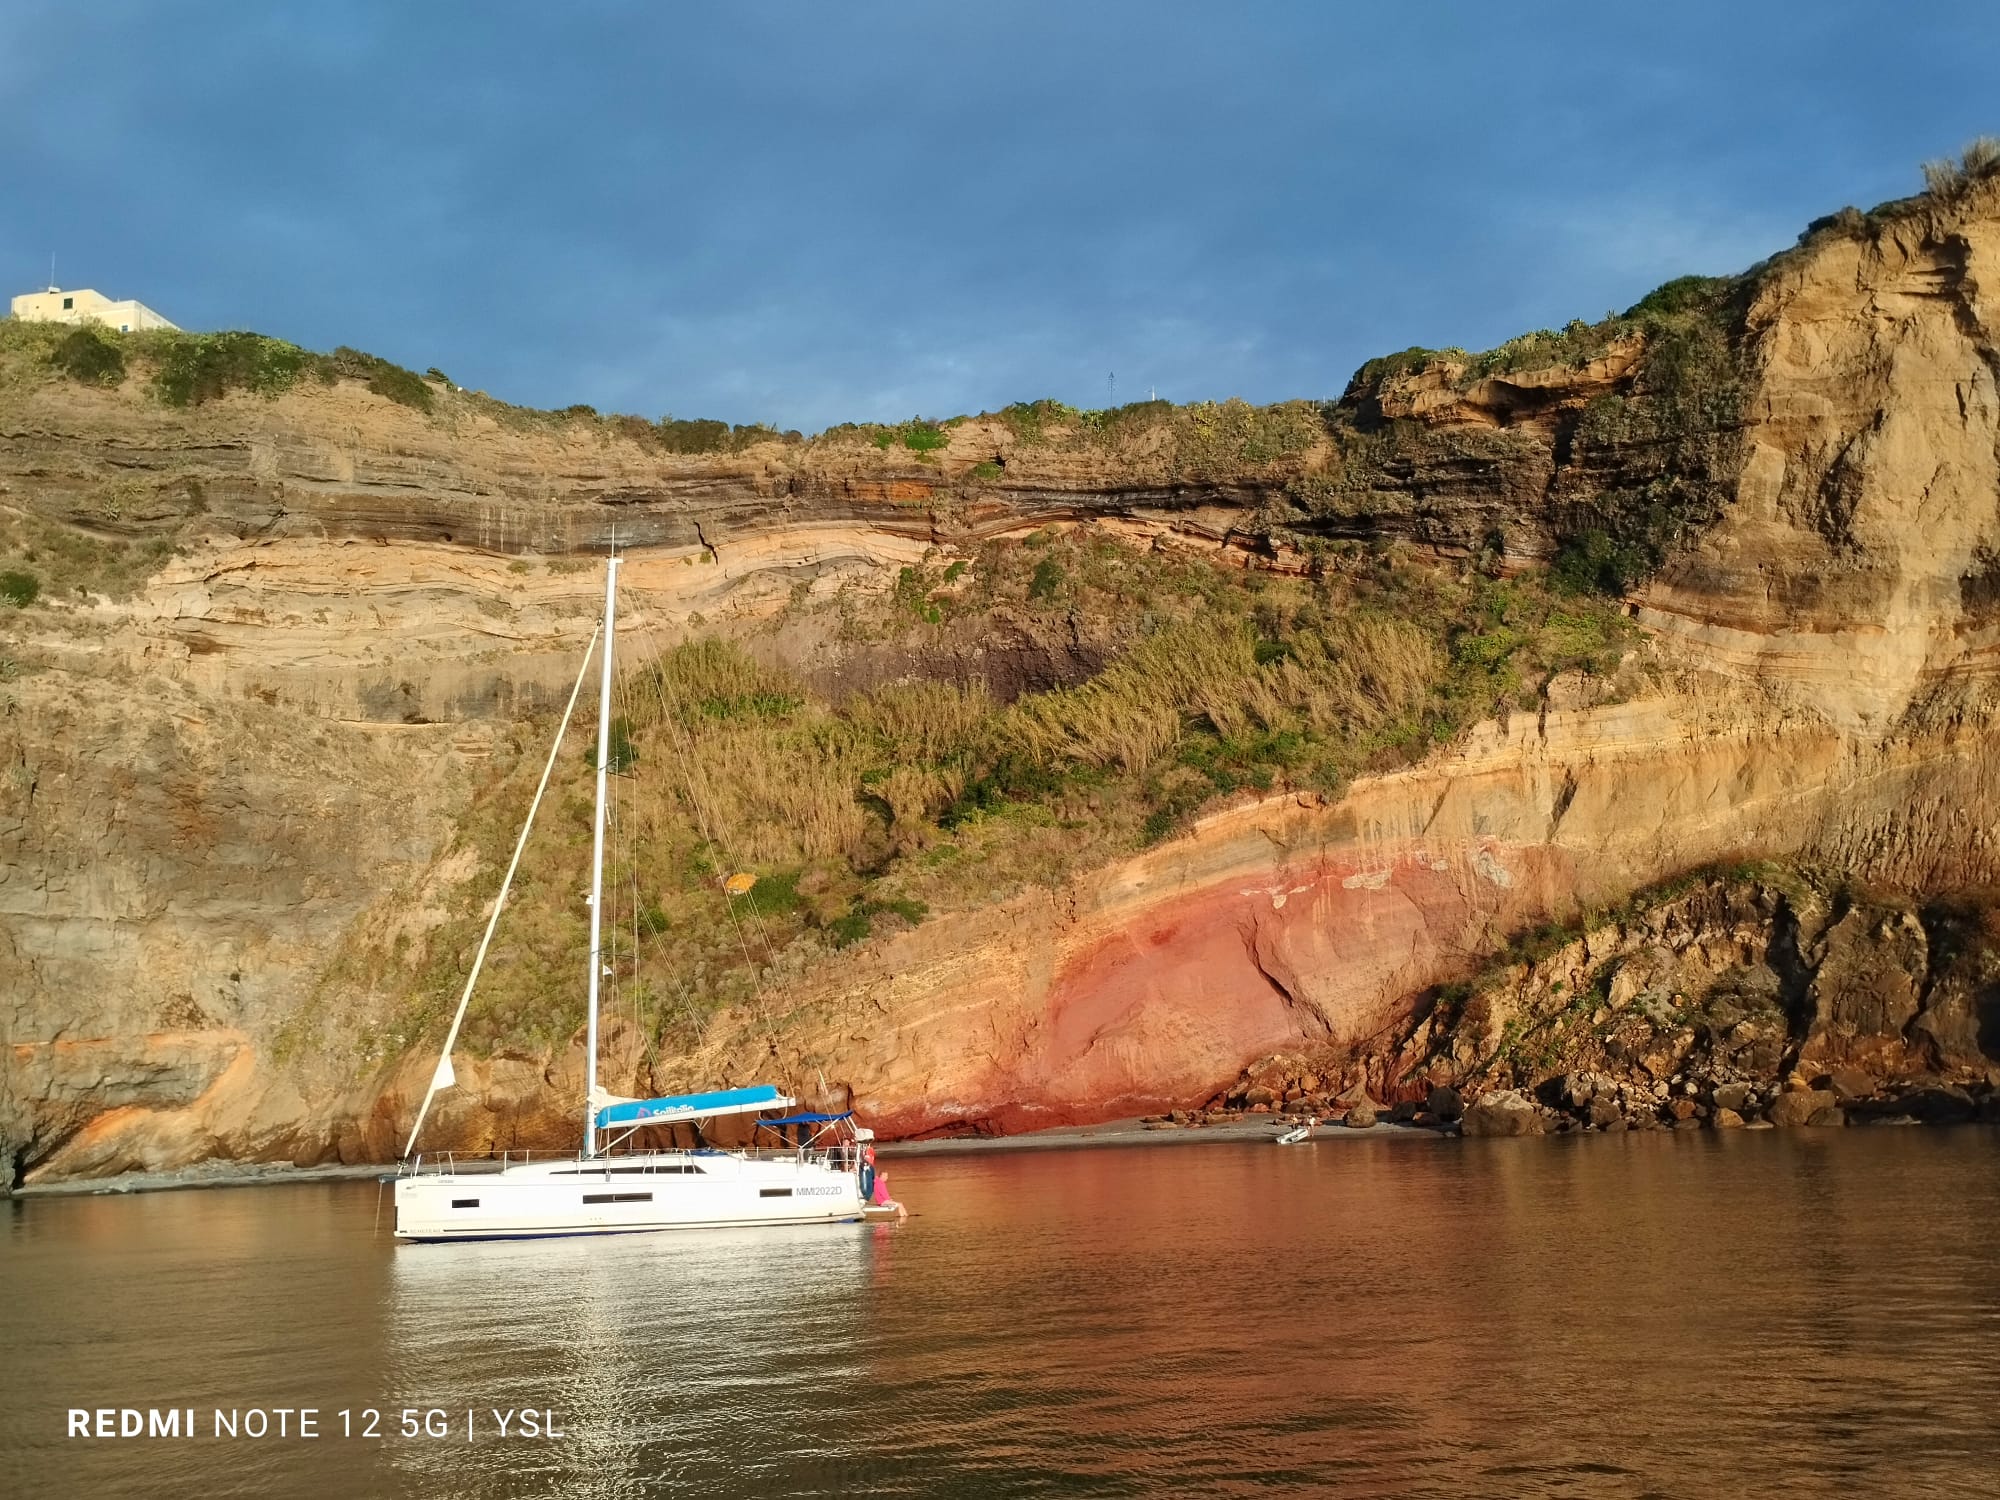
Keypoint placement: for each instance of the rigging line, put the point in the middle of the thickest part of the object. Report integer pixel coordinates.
(611, 813)
(638, 984)
(628, 824)
(500, 897)
(621, 800)
(705, 823)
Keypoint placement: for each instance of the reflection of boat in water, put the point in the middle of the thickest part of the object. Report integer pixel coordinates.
(685, 1363)
(1297, 1133)
(824, 1172)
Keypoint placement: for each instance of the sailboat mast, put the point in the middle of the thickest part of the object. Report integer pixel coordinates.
(597, 865)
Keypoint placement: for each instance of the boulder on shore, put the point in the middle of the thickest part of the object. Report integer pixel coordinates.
(1726, 1119)
(1734, 1097)
(1505, 1112)
(1443, 1105)
(1798, 1106)
(1361, 1116)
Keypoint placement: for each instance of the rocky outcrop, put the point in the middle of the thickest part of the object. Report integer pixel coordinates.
(224, 767)
(1504, 1112)
(1717, 998)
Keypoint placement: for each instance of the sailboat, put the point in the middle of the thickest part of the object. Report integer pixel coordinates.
(821, 1172)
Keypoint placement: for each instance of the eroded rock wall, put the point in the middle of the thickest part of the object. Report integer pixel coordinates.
(212, 781)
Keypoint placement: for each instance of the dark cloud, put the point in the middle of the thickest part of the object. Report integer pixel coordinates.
(809, 213)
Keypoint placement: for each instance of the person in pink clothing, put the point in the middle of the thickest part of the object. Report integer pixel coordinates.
(882, 1198)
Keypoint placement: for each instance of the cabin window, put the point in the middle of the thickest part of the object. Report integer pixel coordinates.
(774, 1192)
(656, 1171)
(465, 1203)
(68, 303)
(617, 1197)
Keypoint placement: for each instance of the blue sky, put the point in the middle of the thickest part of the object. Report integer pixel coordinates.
(809, 213)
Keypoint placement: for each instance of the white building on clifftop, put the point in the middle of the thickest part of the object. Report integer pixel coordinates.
(85, 306)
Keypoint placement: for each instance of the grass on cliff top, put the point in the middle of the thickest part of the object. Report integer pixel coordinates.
(190, 369)
(1158, 440)
(1201, 440)
(1668, 312)
(864, 815)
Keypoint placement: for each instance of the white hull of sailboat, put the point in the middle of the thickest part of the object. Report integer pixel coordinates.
(623, 1195)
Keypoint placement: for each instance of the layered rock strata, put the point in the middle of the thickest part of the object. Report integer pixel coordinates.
(214, 783)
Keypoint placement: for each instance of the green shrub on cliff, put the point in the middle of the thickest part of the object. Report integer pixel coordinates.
(1573, 346)
(1033, 421)
(696, 435)
(20, 588)
(1406, 362)
(917, 435)
(404, 387)
(195, 367)
(1595, 562)
(192, 368)
(699, 434)
(1046, 582)
(1672, 447)
(1699, 295)
(89, 357)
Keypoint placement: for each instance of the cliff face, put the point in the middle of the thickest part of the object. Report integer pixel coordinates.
(1853, 573)
(226, 775)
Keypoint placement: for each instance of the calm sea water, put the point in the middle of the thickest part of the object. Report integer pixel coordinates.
(1803, 1313)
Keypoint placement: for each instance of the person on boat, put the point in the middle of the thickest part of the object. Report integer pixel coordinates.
(867, 1174)
(881, 1198)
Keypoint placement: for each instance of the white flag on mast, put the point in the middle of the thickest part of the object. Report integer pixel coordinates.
(443, 1078)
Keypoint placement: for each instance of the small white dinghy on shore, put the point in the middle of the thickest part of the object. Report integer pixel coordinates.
(1298, 1133)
